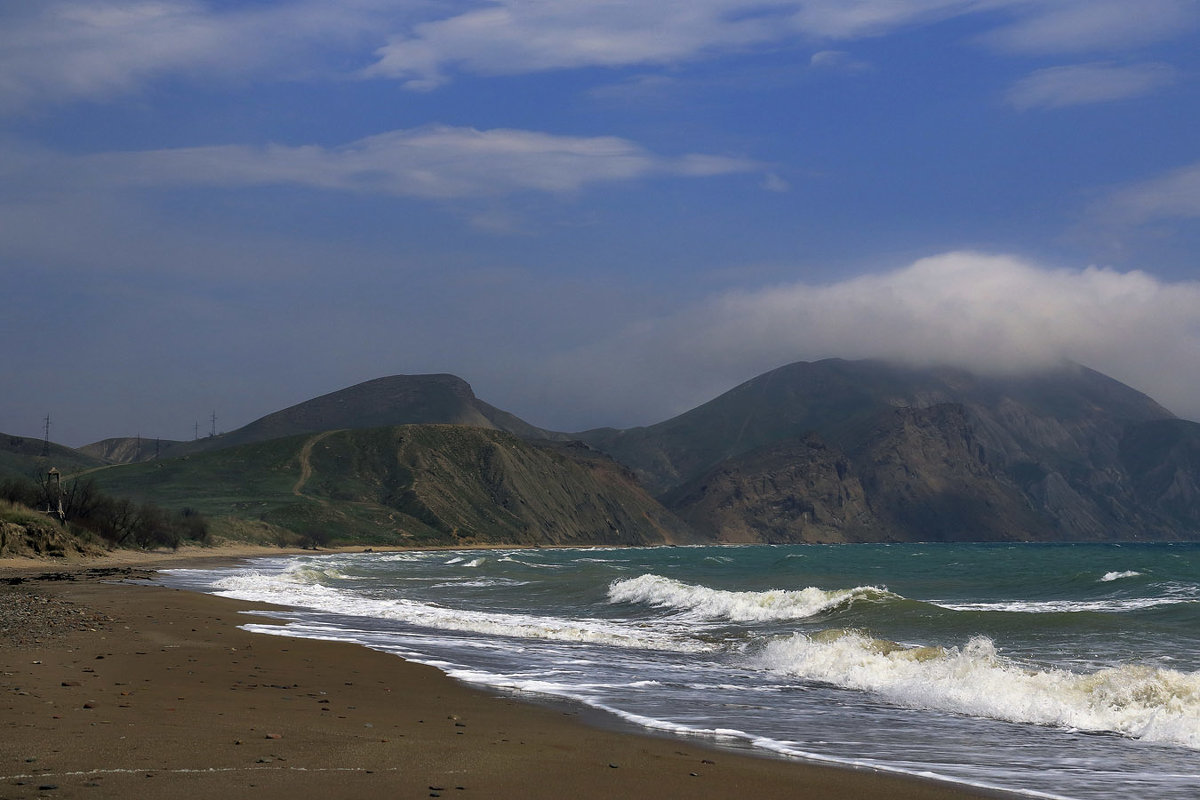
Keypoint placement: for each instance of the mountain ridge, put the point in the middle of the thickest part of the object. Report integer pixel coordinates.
(436, 398)
(931, 453)
(825, 451)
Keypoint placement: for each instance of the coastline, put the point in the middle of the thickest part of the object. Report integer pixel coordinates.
(156, 692)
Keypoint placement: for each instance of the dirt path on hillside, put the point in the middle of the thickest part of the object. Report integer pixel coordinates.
(306, 464)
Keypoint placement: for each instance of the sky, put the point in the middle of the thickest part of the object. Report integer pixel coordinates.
(597, 212)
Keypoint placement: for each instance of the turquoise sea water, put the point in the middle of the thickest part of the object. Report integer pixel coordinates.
(1051, 670)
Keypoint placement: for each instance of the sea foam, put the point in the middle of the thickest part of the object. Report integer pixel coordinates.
(720, 604)
(1133, 700)
(302, 587)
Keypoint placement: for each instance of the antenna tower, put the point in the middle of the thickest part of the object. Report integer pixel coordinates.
(46, 441)
(213, 430)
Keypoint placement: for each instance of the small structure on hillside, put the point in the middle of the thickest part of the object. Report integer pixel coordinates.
(54, 504)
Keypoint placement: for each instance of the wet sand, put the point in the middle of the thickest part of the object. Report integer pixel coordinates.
(142, 691)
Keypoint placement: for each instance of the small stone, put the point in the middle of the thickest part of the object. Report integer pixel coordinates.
(274, 736)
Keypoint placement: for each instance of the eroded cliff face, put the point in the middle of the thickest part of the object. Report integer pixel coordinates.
(1163, 461)
(802, 491)
(865, 451)
(928, 476)
(915, 475)
(42, 539)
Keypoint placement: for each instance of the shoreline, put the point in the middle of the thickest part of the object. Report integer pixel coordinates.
(162, 695)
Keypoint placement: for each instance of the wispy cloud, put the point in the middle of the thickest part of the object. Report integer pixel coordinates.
(1067, 26)
(1084, 84)
(520, 36)
(1173, 195)
(837, 61)
(434, 162)
(62, 50)
(984, 312)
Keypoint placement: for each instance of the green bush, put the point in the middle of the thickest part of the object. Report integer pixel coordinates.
(117, 521)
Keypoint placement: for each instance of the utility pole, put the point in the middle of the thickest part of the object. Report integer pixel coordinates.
(46, 441)
(196, 430)
(213, 432)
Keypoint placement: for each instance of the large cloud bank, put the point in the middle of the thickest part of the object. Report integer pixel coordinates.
(986, 312)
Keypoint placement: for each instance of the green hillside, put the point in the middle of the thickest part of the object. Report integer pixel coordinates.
(395, 400)
(412, 484)
(21, 457)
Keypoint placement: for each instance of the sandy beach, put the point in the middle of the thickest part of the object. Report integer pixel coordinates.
(113, 688)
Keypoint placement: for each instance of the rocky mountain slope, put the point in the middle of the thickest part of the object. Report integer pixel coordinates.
(852, 451)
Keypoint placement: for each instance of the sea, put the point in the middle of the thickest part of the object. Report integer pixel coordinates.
(1046, 670)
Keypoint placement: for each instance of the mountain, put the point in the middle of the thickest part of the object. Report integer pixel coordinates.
(871, 451)
(1163, 459)
(394, 400)
(412, 484)
(829, 451)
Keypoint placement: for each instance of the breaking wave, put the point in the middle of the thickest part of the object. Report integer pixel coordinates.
(1138, 701)
(721, 604)
(303, 588)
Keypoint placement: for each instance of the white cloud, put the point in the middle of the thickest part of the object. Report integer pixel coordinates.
(1083, 84)
(507, 37)
(519, 36)
(62, 50)
(1062, 26)
(855, 19)
(985, 312)
(436, 162)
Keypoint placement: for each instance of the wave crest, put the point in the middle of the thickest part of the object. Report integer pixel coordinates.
(1116, 576)
(1133, 700)
(721, 604)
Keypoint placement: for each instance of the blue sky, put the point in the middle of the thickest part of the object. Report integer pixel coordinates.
(598, 212)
